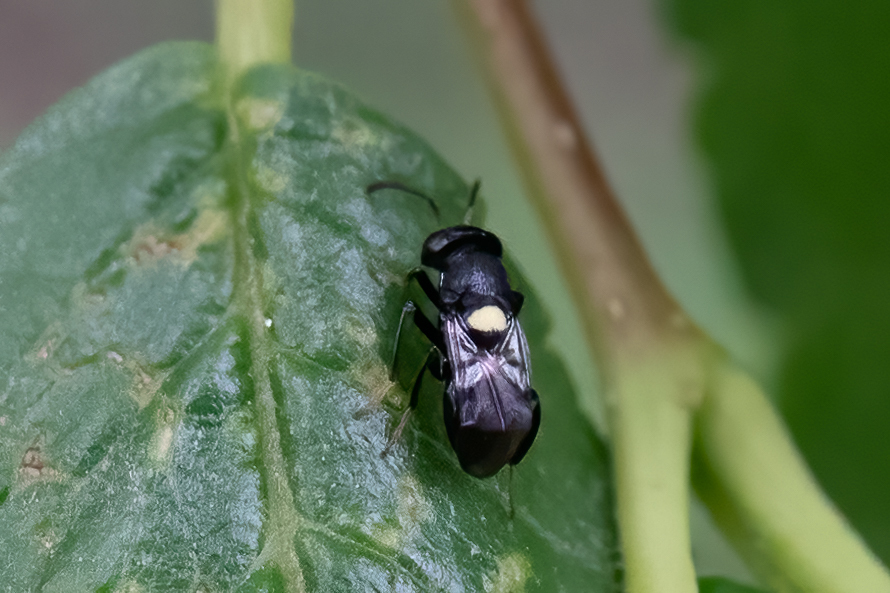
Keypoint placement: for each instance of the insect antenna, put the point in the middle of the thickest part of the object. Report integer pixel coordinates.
(374, 187)
(474, 191)
(398, 185)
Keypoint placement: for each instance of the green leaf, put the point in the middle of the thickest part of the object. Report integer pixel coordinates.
(722, 585)
(794, 123)
(198, 302)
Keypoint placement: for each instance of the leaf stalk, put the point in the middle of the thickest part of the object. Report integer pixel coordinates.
(250, 32)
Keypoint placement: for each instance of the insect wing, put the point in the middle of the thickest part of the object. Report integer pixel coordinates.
(489, 407)
(506, 365)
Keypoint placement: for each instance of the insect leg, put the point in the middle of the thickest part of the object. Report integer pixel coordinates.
(516, 301)
(426, 326)
(409, 307)
(433, 333)
(432, 359)
(397, 433)
(426, 285)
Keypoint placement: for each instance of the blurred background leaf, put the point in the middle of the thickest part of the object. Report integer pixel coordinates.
(794, 121)
(721, 585)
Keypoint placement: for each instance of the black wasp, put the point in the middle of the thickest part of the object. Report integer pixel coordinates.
(480, 352)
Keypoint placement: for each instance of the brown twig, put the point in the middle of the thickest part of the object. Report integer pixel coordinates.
(620, 296)
(661, 372)
(649, 353)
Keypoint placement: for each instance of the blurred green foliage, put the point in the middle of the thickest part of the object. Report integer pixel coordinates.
(721, 585)
(794, 119)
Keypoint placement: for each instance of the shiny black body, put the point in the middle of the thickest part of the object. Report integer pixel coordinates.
(491, 412)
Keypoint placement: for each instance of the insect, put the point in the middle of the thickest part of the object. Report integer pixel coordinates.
(491, 412)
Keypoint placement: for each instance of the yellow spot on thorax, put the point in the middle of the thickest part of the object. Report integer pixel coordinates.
(488, 319)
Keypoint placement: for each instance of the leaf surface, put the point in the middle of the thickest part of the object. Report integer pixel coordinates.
(198, 303)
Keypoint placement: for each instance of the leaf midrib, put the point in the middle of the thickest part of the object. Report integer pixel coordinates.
(282, 520)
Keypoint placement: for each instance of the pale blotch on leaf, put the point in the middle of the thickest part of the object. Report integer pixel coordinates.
(32, 462)
(356, 136)
(33, 466)
(373, 375)
(239, 425)
(412, 509)
(272, 283)
(389, 537)
(48, 538)
(362, 333)
(129, 587)
(149, 249)
(150, 245)
(269, 180)
(54, 334)
(144, 386)
(512, 572)
(212, 225)
(160, 447)
(258, 115)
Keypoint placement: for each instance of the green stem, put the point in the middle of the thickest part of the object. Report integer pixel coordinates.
(651, 426)
(631, 322)
(250, 32)
(761, 493)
